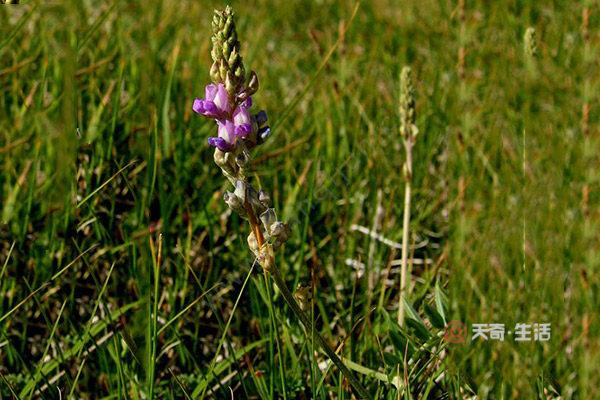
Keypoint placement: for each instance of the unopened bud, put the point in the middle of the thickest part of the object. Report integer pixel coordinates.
(240, 190)
(214, 72)
(264, 198)
(252, 243)
(265, 257)
(252, 84)
(230, 84)
(268, 218)
(279, 230)
(234, 203)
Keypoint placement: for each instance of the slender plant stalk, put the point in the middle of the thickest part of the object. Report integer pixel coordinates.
(295, 307)
(372, 373)
(405, 229)
(154, 316)
(409, 131)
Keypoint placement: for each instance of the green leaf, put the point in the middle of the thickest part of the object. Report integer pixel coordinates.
(402, 343)
(434, 317)
(419, 328)
(440, 301)
(415, 322)
(391, 359)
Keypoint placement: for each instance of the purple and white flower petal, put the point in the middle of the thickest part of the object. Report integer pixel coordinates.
(226, 130)
(206, 108)
(243, 130)
(216, 104)
(247, 103)
(226, 139)
(220, 143)
(242, 121)
(261, 117)
(221, 98)
(264, 132)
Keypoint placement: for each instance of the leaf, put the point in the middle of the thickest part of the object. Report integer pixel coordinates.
(440, 301)
(434, 317)
(391, 359)
(419, 328)
(402, 343)
(415, 322)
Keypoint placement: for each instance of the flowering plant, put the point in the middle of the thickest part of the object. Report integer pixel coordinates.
(227, 101)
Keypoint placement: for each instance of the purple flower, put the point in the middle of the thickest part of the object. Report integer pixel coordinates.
(242, 121)
(219, 143)
(216, 104)
(226, 139)
(230, 126)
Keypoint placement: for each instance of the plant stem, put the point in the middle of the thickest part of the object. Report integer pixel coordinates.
(372, 373)
(405, 228)
(289, 298)
(154, 316)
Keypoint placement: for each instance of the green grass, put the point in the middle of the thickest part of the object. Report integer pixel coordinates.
(101, 153)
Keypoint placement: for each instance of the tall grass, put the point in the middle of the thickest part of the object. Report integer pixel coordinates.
(100, 155)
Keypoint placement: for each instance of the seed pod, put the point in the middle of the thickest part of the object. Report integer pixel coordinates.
(303, 295)
(265, 257)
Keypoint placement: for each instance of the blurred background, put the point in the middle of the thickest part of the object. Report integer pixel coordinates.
(101, 153)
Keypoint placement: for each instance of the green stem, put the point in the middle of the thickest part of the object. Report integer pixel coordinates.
(372, 373)
(405, 228)
(308, 325)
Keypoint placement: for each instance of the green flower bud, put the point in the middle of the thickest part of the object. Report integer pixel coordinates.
(230, 83)
(214, 72)
(226, 52)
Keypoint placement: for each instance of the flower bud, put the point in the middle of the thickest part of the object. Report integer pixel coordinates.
(252, 243)
(268, 218)
(230, 83)
(265, 257)
(279, 230)
(264, 198)
(234, 203)
(214, 72)
(240, 191)
(252, 84)
(222, 71)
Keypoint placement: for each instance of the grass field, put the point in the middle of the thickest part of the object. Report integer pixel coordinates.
(124, 275)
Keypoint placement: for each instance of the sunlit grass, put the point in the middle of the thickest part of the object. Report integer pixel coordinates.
(101, 153)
